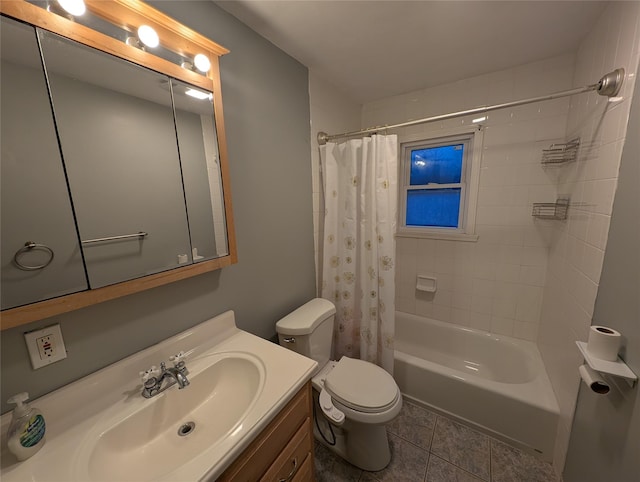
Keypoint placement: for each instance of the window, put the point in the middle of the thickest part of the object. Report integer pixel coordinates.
(439, 186)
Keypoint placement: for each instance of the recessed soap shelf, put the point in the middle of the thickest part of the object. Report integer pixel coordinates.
(561, 153)
(426, 283)
(615, 368)
(557, 210)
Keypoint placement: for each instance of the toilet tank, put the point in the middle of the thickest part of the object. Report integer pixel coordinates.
(309, 330)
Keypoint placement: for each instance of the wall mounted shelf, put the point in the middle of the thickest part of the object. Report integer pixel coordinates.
(558, 154)
(615, 368)
(557, 210)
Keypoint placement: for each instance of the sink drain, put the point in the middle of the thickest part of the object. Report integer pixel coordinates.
(186, 429)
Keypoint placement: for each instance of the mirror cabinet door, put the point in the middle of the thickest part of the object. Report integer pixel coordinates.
(118, 140)
(35, 200)
(199, 157)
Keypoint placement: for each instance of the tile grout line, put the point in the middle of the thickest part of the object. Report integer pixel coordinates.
(433, 433)
(490, 461)
(457, 467)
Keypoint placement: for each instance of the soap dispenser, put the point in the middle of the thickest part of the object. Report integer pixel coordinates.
(26, 432)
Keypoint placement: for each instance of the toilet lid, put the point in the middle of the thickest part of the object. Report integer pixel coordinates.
(361, 385)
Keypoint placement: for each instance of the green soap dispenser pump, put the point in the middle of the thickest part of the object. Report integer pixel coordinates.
(26, 432)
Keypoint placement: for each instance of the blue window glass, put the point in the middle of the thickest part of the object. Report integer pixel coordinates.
(433, 207)
(440, 165)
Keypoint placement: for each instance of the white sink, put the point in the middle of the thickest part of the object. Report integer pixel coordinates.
(100, 428)
(147, 444)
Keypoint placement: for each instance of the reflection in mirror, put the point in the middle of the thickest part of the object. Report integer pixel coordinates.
(35, 200)
(117, 136)
(199, 156)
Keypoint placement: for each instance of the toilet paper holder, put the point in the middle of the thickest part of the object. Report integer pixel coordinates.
(616, 368)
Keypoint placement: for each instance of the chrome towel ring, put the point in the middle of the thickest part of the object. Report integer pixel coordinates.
(28, 246)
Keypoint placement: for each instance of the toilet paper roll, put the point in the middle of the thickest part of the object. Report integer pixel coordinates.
(593, 380)
(604, 343)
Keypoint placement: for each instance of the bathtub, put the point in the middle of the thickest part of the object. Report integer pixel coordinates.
(497, 383)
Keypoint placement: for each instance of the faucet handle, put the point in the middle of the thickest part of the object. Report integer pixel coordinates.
(150, 373)
(178, 358)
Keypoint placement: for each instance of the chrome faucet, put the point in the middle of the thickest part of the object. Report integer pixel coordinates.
(153, 380)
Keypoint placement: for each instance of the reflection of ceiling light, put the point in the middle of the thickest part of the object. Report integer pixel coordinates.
(74, 7)
(479, 119)
(198, 94)
(420, 163)
(202, 63)
(148, 36)
(133, 42)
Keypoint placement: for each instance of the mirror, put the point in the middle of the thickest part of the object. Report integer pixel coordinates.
(200, 160)
(117, 136)
(113, 155)
(35, 203)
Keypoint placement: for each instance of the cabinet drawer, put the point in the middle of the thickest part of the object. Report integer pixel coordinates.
(291, 458)
(253, 463)
(305, 472)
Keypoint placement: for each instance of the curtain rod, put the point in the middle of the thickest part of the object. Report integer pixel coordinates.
(609, 85)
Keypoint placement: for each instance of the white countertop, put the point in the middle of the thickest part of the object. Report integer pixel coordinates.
(77, 414)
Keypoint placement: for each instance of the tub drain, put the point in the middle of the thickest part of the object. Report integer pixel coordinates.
(186, 429)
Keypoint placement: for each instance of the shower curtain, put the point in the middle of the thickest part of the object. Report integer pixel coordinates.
(360, 195)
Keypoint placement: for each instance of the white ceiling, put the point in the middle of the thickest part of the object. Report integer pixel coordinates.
(374, 49)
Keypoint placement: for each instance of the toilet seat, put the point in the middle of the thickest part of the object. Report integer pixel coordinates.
(361, 386)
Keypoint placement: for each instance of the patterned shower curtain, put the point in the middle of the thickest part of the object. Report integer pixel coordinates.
(360, 196)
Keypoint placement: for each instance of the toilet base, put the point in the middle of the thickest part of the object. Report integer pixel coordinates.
(364, 445)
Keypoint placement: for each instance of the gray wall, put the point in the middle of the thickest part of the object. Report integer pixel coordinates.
(266, 106)
(605, 438)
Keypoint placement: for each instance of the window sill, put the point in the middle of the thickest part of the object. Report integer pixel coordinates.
(434, 235)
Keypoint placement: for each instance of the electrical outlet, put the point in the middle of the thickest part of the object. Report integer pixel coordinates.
(45, 346)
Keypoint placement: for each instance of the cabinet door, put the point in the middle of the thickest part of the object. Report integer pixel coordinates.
(199, 156)
(117, 134)
(35, 199)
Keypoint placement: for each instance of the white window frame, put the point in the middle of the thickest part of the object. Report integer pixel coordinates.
(472, 138)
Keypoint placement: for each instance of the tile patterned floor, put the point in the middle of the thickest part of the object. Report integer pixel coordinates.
(426, 447)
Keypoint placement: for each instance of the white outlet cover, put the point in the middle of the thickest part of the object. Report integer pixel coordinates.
(60, 351)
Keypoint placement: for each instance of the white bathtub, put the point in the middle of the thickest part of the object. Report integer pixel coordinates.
(495, 382)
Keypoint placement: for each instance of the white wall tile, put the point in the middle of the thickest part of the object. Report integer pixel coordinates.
(510, 166)
(525, 331)
(502, 326)
(576, 247)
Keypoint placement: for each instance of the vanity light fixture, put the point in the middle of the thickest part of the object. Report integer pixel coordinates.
(73, 7)
(202, 63)
(197, 94)
(148, 36)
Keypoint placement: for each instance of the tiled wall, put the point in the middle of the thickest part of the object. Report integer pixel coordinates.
(577, 246)
(331, 112)
(496, 283)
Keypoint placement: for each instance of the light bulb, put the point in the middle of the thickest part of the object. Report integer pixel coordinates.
(202, 63)
(148, 36)
(74, 7)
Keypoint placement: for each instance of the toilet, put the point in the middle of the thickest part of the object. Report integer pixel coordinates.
(353, 399)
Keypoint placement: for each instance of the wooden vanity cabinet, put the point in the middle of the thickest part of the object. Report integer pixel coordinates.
(283, 452)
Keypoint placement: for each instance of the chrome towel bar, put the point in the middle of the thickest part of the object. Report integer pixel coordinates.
(140, 234)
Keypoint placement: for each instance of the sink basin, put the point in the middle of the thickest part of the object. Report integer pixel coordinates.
(177, 425)
(101, 428)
